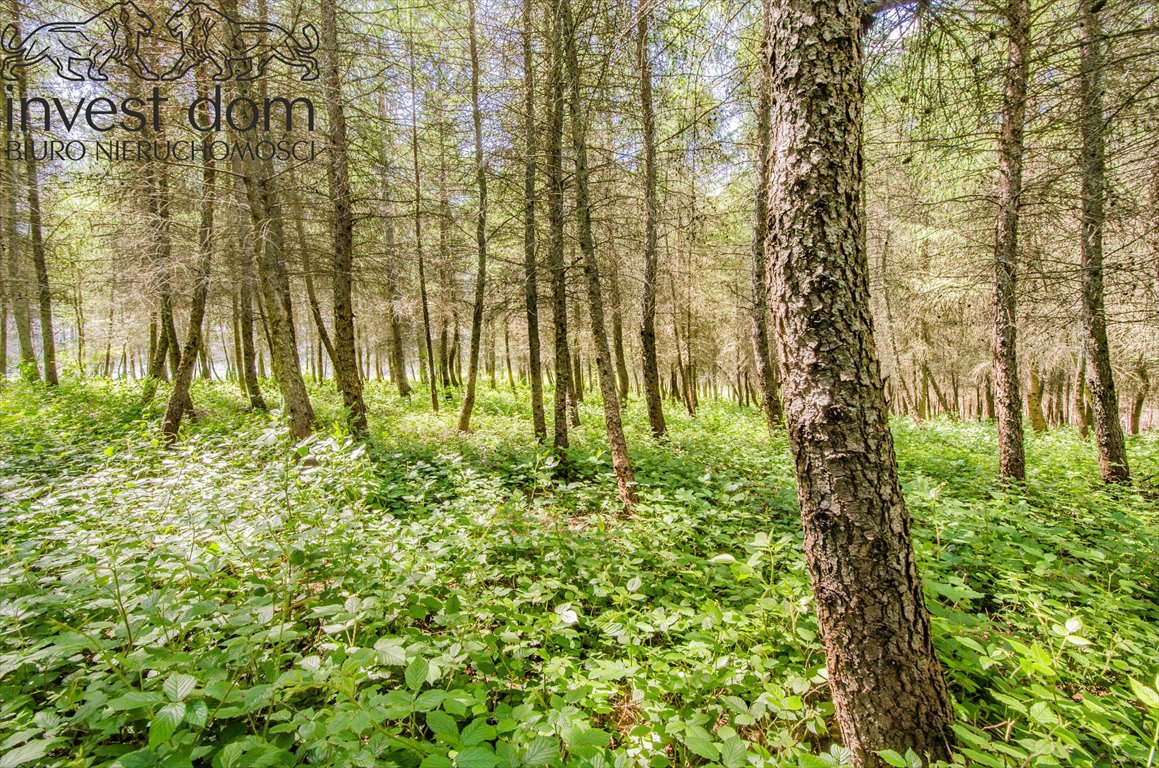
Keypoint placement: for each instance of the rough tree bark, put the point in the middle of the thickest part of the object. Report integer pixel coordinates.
(179, 397)
(1034, 397)
(398, 373)
(621, 464)
(17, 269)
(265, 209)
(480, 229)
(418, 211)
(887, 686)
(1008, 399)
(1100, 380)
(36, 239)
(246, 251)
(651, 213)
(555, 254)
(530, 289)
(346, 370)
(766, 370)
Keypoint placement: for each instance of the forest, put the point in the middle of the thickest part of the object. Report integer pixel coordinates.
(579, 383)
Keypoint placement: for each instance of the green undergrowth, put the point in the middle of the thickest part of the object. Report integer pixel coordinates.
(460, 601)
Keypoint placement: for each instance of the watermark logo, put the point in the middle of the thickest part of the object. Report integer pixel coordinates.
(231, 49)
(238, 49)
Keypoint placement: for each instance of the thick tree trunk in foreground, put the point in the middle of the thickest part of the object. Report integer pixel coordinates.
(480, 231)
(1008, 401)
(555, 255)
(887, 687)
(1100, 380)
(346, 370)
(530, 289)
(766, 370)
(625, 479)
(651, 212)
(179, 397)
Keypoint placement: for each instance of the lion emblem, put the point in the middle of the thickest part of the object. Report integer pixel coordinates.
(85, 48)
(237, 49)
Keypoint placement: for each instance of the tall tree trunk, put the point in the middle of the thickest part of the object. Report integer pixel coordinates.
(269, 231)
(652, 395)
(16, 267)
(293, 198)
(555, 255)
(888, 690)
(766, 370)
(346, 370)
(398, 372)
(621, 357)
(480, 230)
(246, 252)
(1034, 400)
(36, 237)
(179, 397)
(530, 289)
(1100, 380)
(1011, 459)
(1136, 416)
(418, 210)
(625, 479)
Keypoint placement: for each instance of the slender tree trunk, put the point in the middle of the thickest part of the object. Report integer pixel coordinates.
(530, 288)
(248, 244)
(766, 370)
(1100, 379)
(1034, 400)
(1136, 416)
(346, 369)
(887, 686)
(1011, 459)
(618, 333)
(36, 237)
(16, 266)
(555, 255)
(292, 197)
(179, 399)
(625, 479)
(269, 231)
(398, 372)
(414, 133)
(651, 213)
(480, 230)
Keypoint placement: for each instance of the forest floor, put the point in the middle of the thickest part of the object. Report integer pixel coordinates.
(445, 600)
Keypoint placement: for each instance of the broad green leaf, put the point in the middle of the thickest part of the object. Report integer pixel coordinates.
(436, 761)
(1149, 697)
(443, 726)
(542, 751)
(25, 753)
(391, 651)
(477, 732)
(416, 673)
(733, 752)
(892, 758)
(177, 687)
(165, 723)
(480, 756)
